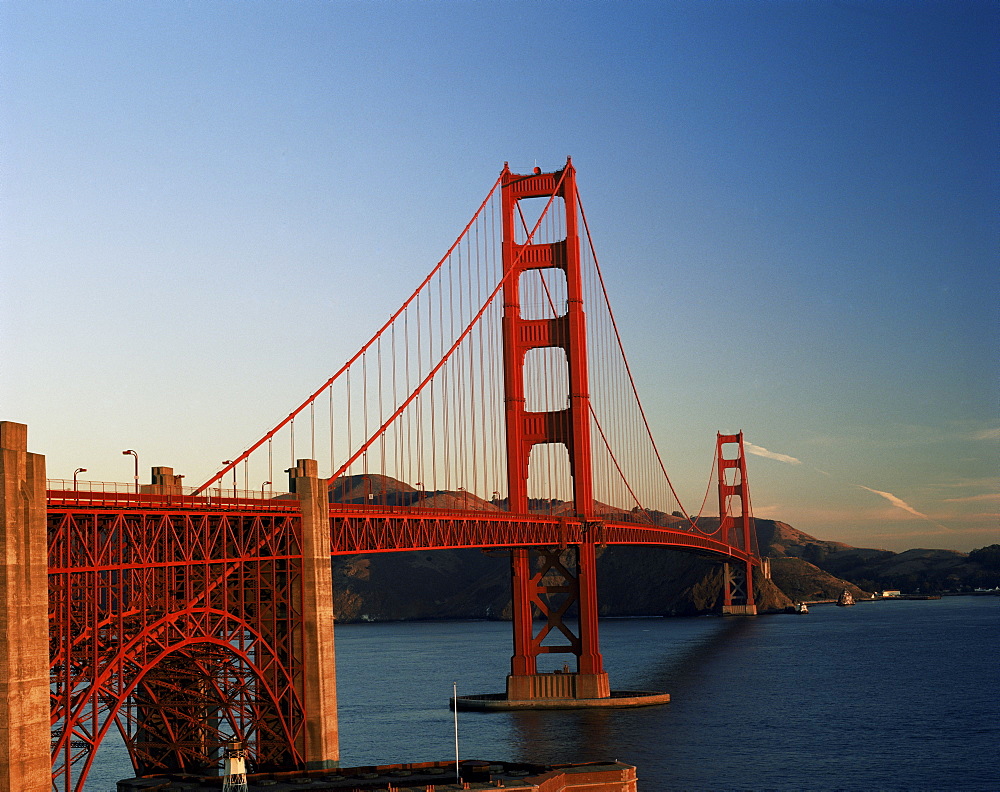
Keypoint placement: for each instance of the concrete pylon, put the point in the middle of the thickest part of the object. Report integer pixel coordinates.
(319, 661)
(25, 763)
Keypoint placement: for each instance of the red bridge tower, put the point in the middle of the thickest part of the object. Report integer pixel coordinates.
(534, 591)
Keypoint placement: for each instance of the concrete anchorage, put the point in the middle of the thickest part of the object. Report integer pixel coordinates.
(25, 764)
(319, 694)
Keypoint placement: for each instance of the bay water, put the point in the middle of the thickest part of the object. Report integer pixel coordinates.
(889, 695)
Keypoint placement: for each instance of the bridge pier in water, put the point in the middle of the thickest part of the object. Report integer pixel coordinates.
(552, 598)
(737, 591)
(24, 630)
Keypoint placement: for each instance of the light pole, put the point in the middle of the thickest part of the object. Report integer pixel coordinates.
(465, 497)
(265, 484)
(134, 454)
(230, 462)
(75, 472)
(420, 493)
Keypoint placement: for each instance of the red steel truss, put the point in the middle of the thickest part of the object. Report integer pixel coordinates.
(375, 529)
(180, 629)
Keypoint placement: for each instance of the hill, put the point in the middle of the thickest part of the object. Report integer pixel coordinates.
(912, 571)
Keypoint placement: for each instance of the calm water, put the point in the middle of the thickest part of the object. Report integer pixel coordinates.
(887, 696)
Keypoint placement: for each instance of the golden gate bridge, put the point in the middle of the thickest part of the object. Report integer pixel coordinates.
(494, 409)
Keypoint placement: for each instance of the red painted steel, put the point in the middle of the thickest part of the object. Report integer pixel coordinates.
(567, 332)
(569, 426)
(178, 628)
(736, 528)
(357, 529)
(187, 614)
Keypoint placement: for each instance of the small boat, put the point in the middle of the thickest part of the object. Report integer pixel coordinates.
(801, 607)
(845, 598)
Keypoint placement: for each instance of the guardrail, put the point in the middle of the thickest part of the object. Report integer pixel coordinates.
(66, 492)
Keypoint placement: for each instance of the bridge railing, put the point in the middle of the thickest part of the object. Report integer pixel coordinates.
(96, 494)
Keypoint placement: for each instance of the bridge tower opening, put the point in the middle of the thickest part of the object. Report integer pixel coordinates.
(556, 582)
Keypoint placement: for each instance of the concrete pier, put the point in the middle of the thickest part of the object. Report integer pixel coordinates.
(619, 699)
(558, 686)
(25, 764)
(319, 662)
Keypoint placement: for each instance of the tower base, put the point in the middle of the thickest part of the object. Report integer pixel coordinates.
(739, 610)
(498, 702)
(523, 687)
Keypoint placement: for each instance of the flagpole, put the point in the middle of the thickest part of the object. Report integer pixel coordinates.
(454, 688)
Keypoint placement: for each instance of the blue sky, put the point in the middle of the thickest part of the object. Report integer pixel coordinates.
(208, 206)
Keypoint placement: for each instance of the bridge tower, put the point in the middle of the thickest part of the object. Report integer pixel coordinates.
(736, 523)
(575, 581)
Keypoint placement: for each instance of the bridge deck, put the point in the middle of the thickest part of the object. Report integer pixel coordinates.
(373, 529)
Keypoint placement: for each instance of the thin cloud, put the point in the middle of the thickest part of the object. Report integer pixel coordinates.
(899, 503)
(970, 531)
(763, 452)
(986, 496)
(988, 434)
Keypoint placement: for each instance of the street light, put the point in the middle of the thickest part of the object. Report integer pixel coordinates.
(420, 492)
(230, 462)
(78, 470)
(465, 497)
(133, 453)
(265, 484)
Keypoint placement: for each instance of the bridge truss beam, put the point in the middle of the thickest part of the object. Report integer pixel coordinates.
(181, 629)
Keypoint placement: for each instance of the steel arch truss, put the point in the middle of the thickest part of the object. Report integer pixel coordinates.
(178, 628)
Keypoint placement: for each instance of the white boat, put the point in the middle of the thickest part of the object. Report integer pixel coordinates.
(801, 607)
(845, 598)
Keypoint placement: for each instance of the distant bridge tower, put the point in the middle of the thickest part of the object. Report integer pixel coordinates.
(569, 426)
(736, 523)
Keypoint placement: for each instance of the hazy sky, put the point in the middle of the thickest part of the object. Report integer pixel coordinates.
(207, 206)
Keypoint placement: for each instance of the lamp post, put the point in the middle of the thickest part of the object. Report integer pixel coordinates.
(465, 497)
(265, 484)
(75, 472)
(420, 492)
(230, 462)
(134, 454)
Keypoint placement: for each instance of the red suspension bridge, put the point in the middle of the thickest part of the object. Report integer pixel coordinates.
(185, 617)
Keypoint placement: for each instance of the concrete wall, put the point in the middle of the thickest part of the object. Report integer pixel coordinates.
(322, 746)
(25, 763)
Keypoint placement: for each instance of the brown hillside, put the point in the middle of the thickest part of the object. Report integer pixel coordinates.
(804, 582)
(779, 539)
